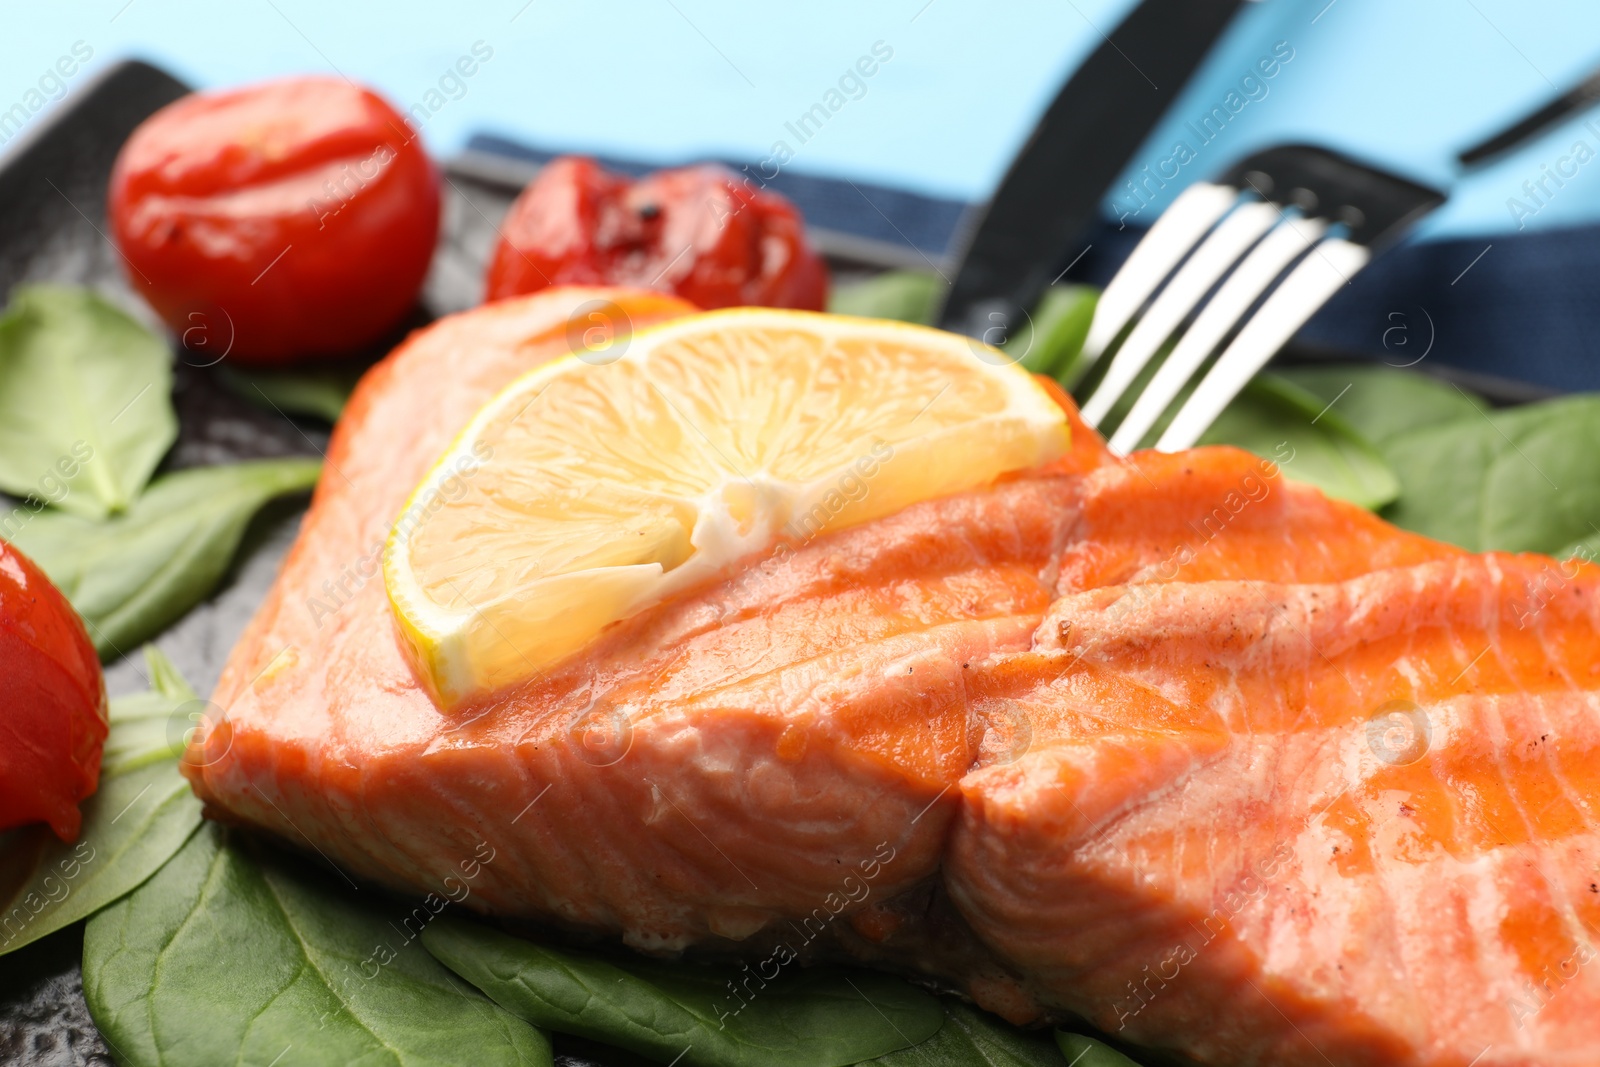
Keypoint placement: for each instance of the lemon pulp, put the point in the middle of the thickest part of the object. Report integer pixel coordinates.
(589, 489)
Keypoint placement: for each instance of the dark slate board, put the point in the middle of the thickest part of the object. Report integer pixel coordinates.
(54, 229)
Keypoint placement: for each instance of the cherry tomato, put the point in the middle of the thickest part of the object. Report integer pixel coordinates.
(52, 702)
(701, 233)
(278, 221)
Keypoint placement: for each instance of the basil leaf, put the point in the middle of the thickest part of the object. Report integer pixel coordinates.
(1087, 1052)
(85, 401)
(662, 1011)
(972, 1038)
(907, 295)
(131, 576)
(320, 394)
(1381, 403)
(1282, 422)
(233, 953)
(1053, 338)
(141, 814)
(1525, 479)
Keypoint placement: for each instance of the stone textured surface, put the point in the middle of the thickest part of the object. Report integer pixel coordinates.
(43, 1020)
(53, 230)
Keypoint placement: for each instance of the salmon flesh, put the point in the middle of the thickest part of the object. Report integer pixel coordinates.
(1170, 743)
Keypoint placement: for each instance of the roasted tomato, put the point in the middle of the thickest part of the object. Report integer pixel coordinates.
(278, 221)
(52, 702)
(698, 232)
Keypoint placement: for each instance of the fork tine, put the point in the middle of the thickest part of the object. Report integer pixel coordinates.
(1222, 312)
(1317, 277)
(1232, 239)
(1178, 228)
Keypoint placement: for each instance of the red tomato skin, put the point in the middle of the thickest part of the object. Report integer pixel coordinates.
(276, 222)
(699, 232)
(52, 702)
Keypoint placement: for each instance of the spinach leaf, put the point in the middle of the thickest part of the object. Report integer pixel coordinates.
(1526, 479)
(131, 826)
(1087, 1052)
(972, 1038)
(1282, 422)
(1584, 548)
(85, 401)
(142, 813)
(236, 954)
(1053, 339)
(131, 576)
(907, 295)
(1279, 421)
(1381, 403)
(664, 1011)
(321, 394)
(153, 725)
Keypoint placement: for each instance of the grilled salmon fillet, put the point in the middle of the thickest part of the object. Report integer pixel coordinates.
(1180, 746)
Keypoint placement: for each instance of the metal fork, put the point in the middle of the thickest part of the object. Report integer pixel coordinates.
(1291, 224)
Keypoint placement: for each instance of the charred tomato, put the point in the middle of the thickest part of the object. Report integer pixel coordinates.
(701, 233)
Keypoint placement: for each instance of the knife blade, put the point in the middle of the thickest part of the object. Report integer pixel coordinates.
(1053, 189)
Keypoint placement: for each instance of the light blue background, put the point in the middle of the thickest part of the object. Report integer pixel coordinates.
(1406, 82)
(653, 79)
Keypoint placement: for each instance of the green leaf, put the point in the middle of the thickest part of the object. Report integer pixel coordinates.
(149, 726)
(1087, 1052)
(131, 826)
(1584, 548)
(1282, 422)
(141, 814)
(971, 1038)
(131, 576)
(1053, 342)
(1526, 479)
(85, 401)
(320, 394)
(235, 954)
(907, 295)
(1381, 403)
(663, 1011)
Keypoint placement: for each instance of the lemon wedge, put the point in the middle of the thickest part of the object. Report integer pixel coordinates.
(591, 488)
